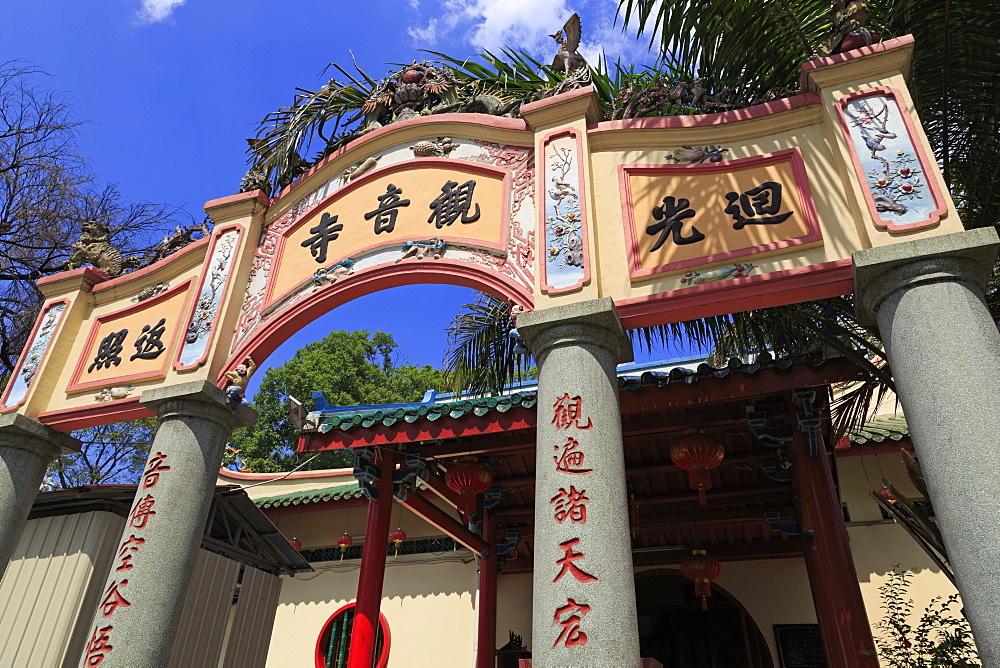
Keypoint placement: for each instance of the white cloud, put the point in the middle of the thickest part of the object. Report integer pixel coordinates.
(526, 25)
(154, 11)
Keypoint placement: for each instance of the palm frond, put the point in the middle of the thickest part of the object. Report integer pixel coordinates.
(480, 355)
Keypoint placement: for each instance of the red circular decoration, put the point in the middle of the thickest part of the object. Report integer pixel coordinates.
(296, 543)
(697, 453)
(467, 476)
(397, 536)
(345, 540)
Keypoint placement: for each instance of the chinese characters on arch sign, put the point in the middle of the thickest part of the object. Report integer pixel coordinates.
(439, 205)
(686, 215)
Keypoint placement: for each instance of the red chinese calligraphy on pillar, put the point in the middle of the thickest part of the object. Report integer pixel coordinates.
(151, 475)
(142, 512)
(127, 551)
(568, 412)
(571, 505)
(113, 599)
(99, 646)
(570, 460)
(566, 562)
(571, 630)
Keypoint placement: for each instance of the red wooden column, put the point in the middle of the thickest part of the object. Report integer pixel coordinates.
(486, 628)
(833, 579)
(362, 650)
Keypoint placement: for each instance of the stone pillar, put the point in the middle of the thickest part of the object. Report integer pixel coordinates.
(27, 448)
(141, 602)
(926, 297)
(584, 594)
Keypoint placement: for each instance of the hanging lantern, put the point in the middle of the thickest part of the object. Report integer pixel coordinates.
(344, 541)
(701, 569)
(397, 537)
(886, 495)
(468, 478)
(296, 543)
(697, 453)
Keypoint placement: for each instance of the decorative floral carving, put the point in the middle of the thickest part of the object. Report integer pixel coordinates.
(151, 291)
(741, 270)
(41, 342)
(689, 155)
(113, 393)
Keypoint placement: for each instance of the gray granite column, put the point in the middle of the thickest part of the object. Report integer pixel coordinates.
(141, 602)
(27, 448)
(926, 297)
(584, 593)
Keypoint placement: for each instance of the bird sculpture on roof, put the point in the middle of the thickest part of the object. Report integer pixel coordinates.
(568, 58)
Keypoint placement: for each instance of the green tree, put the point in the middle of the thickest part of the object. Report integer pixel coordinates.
(350, 368)
(111, 454)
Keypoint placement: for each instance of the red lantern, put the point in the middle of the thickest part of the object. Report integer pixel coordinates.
(697, 453)
(468, 478)
(701, 569)
(344, 541)
(886, 495)
(296, 543)
(397, 537)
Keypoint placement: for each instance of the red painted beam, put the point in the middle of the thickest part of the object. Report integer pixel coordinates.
(372, 575)
(833, 579)
(436, 517)
(486, 627)
(437, 485)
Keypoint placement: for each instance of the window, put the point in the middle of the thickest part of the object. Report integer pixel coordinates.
(335, 640)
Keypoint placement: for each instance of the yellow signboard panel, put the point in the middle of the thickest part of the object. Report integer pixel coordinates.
(687, 215)
(426, 202)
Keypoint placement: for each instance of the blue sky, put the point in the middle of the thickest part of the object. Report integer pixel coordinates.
(171, 88)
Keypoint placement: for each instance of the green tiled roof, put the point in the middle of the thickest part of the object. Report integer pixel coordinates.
(454, 409)
(528, 399)
(349, 490)
(885, 428)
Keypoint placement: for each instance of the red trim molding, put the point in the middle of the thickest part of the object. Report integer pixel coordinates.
(287, 321)
(788, 286)
(119, 410)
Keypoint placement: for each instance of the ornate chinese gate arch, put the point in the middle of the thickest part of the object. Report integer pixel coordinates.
(589, 223)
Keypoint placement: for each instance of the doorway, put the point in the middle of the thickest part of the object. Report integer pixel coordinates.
(674, 629)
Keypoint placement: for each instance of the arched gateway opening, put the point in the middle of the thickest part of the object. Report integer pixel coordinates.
(674, 630)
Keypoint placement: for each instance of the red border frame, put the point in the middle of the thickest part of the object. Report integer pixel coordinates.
(76, 386)
(206, 267)
(582, 198)
(314, 210)
(776, 288)
(285, 322)
(934, 217)
(383, 659)
(27, 348)
(792, 155)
